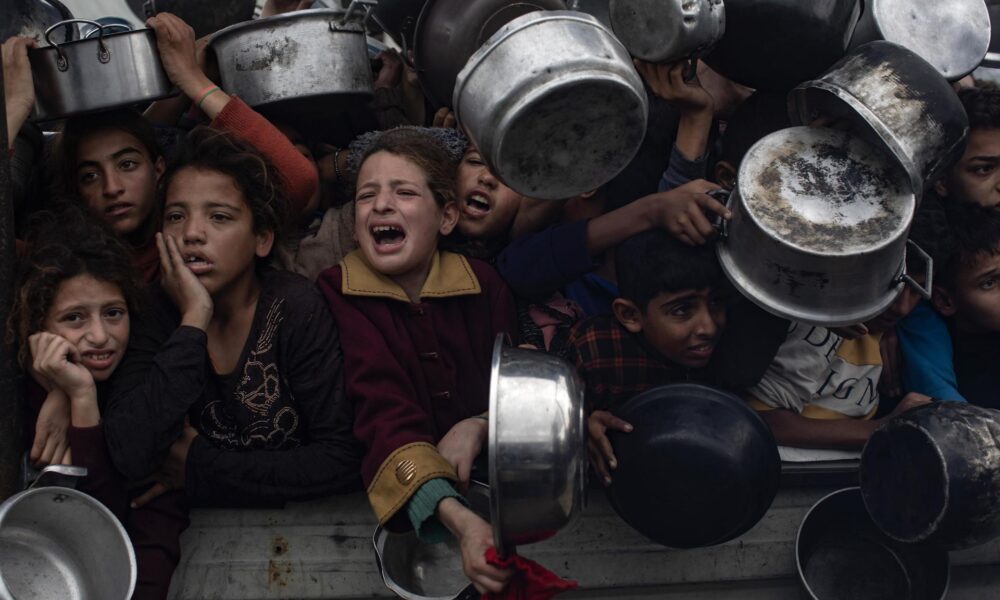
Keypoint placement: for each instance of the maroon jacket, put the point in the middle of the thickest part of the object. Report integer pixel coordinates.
(413, 370)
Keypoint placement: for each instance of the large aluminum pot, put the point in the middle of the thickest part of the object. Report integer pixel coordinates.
(819, 227)
(414, 570)
(448, 32)
(308, 61)
(896, 100)
(933, 474)
(953, 36)
(106, 71)
(537, 448)
(665, 31)
(841, 555)
(553, 103)
(57, 542)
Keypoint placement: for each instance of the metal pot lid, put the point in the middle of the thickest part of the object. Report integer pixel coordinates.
(825, 192)
(954, 36)
(667, 30)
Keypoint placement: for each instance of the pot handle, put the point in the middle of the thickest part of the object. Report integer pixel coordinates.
(59, 475)
(721, 225)
(925, 290)
(62, 64)
(351, 9)
(109, 26)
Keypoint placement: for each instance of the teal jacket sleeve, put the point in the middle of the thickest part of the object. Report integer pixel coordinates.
(422, 507)
(928, 366)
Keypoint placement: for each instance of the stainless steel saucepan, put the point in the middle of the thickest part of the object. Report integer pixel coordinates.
(668, 30)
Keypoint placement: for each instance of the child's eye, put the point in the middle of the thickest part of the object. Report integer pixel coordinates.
(982, 169)
(364, 197)
(405, 192)
(128, 164)
(115, 313)
(988, 284)
(87, 177)
(73, 317)
(221, 217)
(681, 310)
(173, 217)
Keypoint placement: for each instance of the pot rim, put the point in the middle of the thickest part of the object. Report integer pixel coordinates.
(493, 445)
(98, 506)
(814, 507)
(719, 22)
(144, 32)
(308, 14)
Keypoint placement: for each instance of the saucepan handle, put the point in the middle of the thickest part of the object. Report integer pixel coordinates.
(59, 475)
(110, 26)
(721, 225)
(354, 7)
(925, 290)
(61, 63)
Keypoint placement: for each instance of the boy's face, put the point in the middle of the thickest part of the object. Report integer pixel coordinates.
(488, 206)
(975, 299)
(899, 309)
(976, 176)
(682, 326)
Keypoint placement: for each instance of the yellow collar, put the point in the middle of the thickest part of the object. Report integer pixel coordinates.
(450, 275)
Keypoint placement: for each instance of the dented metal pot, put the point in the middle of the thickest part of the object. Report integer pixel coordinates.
(553, 103)
(894, 99)
(953, 36)
(932, 475)
(819, 228)
(312, 61)
(666, 31)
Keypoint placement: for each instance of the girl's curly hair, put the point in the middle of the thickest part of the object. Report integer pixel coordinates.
(256, 178)
(59, 247)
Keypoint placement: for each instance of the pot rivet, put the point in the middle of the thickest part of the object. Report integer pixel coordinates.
(406, 471)
(58, 498)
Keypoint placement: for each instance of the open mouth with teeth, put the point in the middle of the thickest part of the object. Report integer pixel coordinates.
(477, 204)
(98, 361)
(387, 235)
(197, 264)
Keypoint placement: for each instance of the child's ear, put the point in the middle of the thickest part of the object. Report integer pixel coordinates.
(449, 217)
(159, 166)
(265, 241)
(941, 188)
(943, 301)
(725, 174)
(628, 314)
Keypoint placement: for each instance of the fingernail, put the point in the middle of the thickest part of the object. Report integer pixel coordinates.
(132, 505)
(613, 464)
(607, 481)
(628, 428)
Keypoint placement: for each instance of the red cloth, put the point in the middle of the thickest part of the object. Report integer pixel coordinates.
(531, 580)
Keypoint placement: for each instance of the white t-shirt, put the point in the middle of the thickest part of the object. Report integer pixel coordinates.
(821, 375)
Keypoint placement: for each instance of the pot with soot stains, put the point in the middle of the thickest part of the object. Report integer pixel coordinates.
(819, 228)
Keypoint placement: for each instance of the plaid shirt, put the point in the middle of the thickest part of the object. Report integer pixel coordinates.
(616, 365)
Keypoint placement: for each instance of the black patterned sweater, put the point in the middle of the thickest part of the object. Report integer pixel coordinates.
(276, 428)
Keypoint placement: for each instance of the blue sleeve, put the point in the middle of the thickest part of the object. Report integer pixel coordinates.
(681, 170)
(422, 509)
(537, 265)
(928, 367)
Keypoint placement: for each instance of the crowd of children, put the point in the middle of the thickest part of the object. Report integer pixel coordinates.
(241, 315)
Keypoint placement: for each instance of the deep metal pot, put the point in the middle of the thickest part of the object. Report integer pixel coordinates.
(933, 474)
(311, 62)
(666, 31)
(417, 571)
(553, 103)
(776, 44)
(448, 32)
(699, 468)
(896, 100)
(819, 228)
(56, 542)
(537, 449)
(953, 36)
(841, 555)
(106, 71)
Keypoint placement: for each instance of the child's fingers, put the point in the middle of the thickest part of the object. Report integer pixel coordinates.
(68, 456)
(597, 461)
(607, 452)
(700, 222)
(612, 422)
(158, 489)
(710, 204)
(165, 265)
(37, 446)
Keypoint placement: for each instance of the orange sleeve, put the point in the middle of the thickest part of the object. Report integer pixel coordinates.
(297, 172)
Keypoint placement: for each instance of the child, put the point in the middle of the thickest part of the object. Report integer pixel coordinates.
(233, 374)
(112, 161)
(968, 295)
(975, 177)
(421, 324)
(668, 318)
(76, 293)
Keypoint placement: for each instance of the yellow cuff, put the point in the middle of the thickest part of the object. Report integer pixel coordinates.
(402, 474)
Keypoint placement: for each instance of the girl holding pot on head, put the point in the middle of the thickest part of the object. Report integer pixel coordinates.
(111, 161)
(419, 324)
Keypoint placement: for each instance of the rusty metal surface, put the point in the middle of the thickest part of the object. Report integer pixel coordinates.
(11, 427)
(323, 549)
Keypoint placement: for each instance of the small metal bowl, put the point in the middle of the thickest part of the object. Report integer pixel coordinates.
(537, 449)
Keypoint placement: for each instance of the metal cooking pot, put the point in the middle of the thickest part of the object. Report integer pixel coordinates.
(841, 555)
(776, 44)
(56, 542)
(933, 474)
(308, 62)
(553, 103)
(699, 468)
(537, 449)
(30, 18)
(398, 18)
(596, 8)
(195, 13)
(417, 571)
(450, 31)
(665, 31)
(819, 228)
(953, 36)
(108, 71)
(896, 100)
(992, 59)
